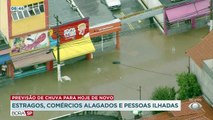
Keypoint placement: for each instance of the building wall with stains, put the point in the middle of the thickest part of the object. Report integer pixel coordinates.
(204, 79)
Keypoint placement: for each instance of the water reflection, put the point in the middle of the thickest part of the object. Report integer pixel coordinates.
(149, 50)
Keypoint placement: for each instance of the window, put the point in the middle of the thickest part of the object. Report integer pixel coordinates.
(20, 14)
(36, 9)
(188, 21)
(15, 16)
(41, 6)
(25, 11)
(30, 9)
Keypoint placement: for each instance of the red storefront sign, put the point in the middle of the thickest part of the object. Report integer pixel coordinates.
(106, 28)
(72, 30)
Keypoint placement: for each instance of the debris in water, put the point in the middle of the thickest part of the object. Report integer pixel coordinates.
(98, 70)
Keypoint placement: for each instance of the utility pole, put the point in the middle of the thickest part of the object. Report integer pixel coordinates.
(140, 93)
(58, 49)
(137, 113)
(211, 17)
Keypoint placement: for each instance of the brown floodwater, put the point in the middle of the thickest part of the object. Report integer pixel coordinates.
(148, 59)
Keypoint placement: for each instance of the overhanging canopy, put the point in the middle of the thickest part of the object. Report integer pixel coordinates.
(32, 58)
(75, 48)
(188, 11)
(4, 58)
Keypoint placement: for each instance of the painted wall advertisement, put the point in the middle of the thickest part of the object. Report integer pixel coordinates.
(71, 31)
(30, 42)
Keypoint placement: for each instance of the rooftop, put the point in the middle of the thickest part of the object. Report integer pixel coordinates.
(88, 117)
(95, 10)
(63, 10)
(169, 3)
(91, 115)
(203, 50)
(205, 113)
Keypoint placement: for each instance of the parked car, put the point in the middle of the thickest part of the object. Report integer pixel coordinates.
(113, 4)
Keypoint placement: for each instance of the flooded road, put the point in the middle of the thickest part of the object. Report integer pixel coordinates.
(148, 59)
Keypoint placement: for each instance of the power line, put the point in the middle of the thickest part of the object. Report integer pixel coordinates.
(150, 71)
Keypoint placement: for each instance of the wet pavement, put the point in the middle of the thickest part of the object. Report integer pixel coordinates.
(148, 59)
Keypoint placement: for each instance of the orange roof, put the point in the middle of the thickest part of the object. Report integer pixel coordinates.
(203, 50)
(160, 116)
(185, 110)
(205, 113)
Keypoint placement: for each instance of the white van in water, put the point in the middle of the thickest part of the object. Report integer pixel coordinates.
(113, 4)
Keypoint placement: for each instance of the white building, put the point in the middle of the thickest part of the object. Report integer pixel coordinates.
(201, 64)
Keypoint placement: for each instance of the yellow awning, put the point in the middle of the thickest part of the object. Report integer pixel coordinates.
(75, 48)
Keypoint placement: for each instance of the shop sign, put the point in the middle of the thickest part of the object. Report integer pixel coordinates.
(105, 28)
(29, 42)
(71, 31)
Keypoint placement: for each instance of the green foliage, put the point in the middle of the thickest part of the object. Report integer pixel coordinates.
(189, 86)
(163, 93)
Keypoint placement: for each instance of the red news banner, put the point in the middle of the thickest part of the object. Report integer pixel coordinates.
(62, 97)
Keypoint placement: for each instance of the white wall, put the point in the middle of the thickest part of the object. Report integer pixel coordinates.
(205, 81)
(160, 18)
(152, 3)
(209, 63)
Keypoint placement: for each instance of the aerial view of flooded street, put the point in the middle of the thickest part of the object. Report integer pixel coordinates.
(145, 57)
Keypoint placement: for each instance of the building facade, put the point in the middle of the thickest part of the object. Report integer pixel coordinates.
(201, 64)
(185, 15)
(5, 58)
(29, 28)
(25, 25)
(179, 15)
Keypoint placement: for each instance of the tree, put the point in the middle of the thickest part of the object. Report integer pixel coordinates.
(163, 93)
(189, 86)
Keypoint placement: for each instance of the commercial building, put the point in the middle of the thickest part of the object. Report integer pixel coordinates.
(73, 31)
(179, 15)
(4, 56)
(25, 25)
(104, 28)
(99, 33)
(185, 15)
(30, 29)
(74, 39)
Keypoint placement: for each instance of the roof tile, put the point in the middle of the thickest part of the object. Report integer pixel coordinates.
(203, 50)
